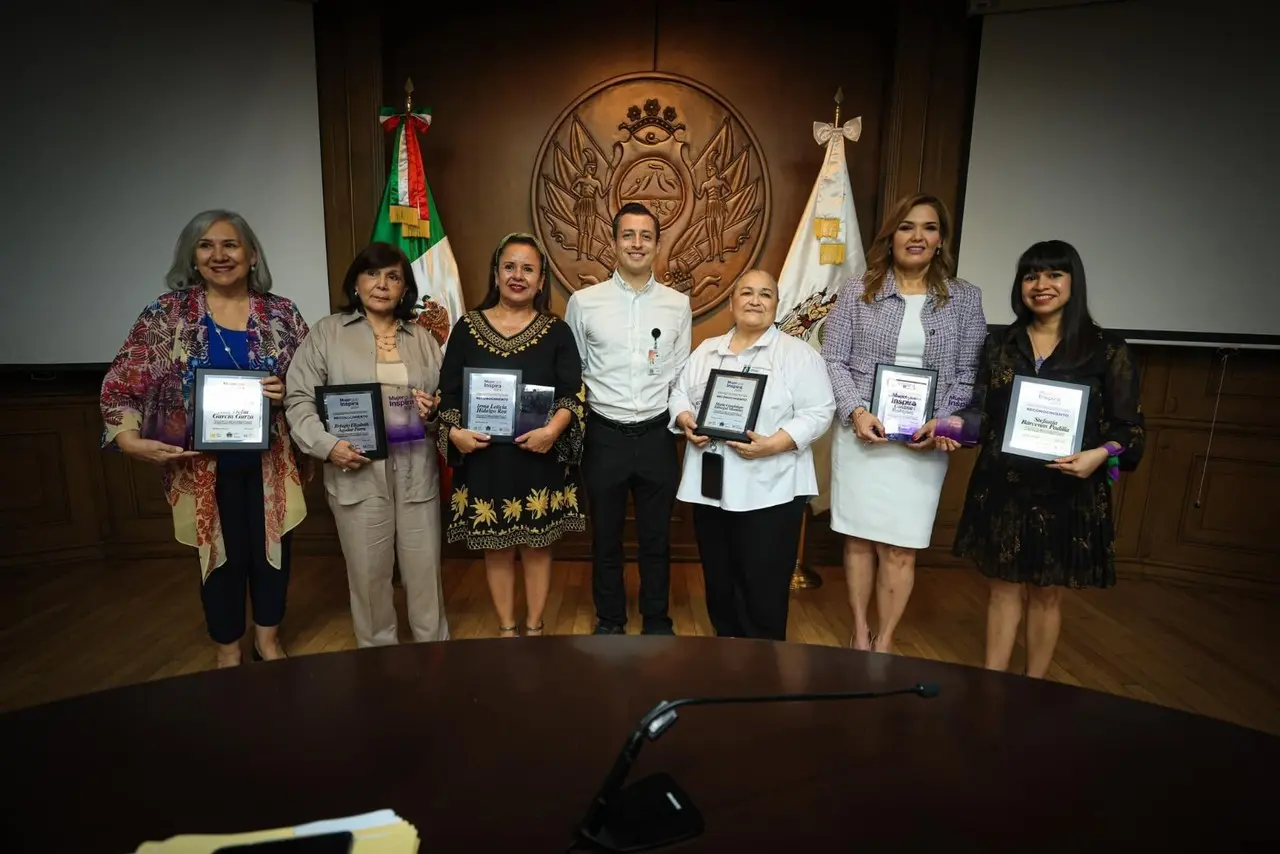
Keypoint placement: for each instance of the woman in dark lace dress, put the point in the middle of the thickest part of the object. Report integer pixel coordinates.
(521, 495)
(1039, 526)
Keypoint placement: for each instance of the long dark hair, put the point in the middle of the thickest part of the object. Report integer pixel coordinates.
(880, 254)
(1079, 331)
(375, 256)
(542, 299)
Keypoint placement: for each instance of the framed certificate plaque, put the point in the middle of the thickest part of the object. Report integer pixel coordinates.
(903, 399)
(1046, 418)
(730, 405)
(353, 413)
(231, 412)
(491, 399)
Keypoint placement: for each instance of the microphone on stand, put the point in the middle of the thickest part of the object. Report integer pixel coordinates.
(654, 811)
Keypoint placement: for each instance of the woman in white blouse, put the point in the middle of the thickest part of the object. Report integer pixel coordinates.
(748, 528)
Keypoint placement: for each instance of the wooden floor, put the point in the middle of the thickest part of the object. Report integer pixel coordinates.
(72, 630)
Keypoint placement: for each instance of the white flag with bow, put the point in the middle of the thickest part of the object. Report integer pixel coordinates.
(825, 253)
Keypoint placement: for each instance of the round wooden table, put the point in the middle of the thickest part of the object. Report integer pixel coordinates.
(501, 744)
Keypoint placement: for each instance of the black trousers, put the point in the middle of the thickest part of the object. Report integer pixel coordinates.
(747, 561)
(639, 462)
(244, 535)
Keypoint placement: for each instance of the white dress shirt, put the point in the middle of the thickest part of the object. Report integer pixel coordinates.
(797, 398)
(613, 324)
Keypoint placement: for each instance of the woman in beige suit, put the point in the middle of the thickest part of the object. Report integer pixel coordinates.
(388, 508)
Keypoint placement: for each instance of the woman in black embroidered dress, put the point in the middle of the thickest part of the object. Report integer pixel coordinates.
(522, 495)
(1039, 527)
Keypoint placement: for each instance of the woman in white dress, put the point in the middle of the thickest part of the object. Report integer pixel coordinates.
(909, 310)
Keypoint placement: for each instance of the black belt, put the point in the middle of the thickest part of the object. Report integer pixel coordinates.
(636, 428)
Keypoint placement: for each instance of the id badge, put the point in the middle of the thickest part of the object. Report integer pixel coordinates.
(712, 475)
(655, 367)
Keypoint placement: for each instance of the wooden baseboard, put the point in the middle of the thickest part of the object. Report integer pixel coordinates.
(1185, 576)
(79, 554)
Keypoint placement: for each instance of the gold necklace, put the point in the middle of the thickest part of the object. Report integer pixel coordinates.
(385, 341)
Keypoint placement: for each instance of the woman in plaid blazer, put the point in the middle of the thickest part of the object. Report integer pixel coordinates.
(907, 310)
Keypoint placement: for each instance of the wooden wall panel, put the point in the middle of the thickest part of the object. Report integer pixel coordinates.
(1250, 395)
(349, 81)
(495, 85)
(1130, 498)
(1211, 510)
(926, 137)
(317, 535)
(138, 514)
(781, 71)
(48, 483)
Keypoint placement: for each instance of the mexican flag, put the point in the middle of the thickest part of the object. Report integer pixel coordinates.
(408, 218)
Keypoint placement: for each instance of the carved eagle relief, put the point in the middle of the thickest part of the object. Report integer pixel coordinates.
(710, 194)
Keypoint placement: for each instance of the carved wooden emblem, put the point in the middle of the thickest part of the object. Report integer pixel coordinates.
(676, 147)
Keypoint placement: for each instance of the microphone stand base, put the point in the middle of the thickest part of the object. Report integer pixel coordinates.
(651, 813)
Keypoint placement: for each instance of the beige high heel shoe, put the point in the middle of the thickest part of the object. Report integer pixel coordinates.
(871, 640)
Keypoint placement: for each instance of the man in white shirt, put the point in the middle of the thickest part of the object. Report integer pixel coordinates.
(634, 335)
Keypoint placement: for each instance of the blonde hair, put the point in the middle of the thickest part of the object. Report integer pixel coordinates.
(880, 255)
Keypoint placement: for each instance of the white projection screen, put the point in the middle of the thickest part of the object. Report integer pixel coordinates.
(122, 120)
(1146, 133)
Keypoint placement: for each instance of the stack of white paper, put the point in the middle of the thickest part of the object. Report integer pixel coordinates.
(381, 832)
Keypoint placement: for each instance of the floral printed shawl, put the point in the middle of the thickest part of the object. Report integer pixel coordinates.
(150, 387)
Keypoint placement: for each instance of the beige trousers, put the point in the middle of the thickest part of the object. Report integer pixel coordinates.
(377, 532)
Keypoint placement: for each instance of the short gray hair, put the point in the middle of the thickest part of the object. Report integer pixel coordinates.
(757, 272)
(182, 274)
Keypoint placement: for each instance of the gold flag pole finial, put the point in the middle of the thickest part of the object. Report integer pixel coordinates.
(409, 217)
(839, 99)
